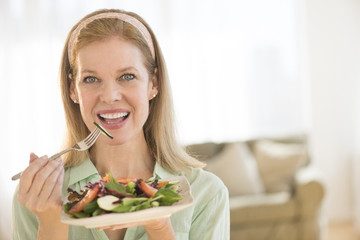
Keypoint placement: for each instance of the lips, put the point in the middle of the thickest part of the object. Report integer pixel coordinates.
(113, 118)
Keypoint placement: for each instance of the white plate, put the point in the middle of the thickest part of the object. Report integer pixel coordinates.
(141, 215)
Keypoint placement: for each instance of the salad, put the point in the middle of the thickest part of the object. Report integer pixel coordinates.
(120, 195)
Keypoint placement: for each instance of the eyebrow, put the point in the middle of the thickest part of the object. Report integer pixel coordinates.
(127, 69)
(88, 71)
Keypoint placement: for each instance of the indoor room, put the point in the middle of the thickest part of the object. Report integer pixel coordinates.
(266, 93)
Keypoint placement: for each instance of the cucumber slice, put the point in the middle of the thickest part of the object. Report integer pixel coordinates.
(103, 130)
(106, 202)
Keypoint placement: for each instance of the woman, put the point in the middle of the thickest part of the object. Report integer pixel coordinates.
(113, 72)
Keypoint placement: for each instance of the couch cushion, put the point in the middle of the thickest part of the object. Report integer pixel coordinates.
(236, 167)
(278, 162)
(204, 151)
(262, 208)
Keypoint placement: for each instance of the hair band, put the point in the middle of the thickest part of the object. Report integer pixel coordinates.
(122, 16)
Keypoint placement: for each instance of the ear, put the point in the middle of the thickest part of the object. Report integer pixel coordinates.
(73, 92)
(154, 84)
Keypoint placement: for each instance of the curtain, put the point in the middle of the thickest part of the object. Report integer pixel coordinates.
(235, 69)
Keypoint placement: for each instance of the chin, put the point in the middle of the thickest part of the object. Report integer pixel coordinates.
(115, 141)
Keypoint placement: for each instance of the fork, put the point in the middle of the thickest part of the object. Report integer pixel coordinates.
(80, 146)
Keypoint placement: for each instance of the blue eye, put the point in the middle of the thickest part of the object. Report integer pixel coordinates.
(90, 79)
(128, 76)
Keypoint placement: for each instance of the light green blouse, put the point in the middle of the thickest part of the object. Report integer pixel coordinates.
(208, 218)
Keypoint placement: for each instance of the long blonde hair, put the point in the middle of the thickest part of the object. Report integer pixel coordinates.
(159, 129)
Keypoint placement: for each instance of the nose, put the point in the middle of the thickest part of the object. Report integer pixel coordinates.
(110, 92)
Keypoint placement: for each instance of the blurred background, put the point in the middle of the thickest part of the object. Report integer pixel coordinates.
(238, 69)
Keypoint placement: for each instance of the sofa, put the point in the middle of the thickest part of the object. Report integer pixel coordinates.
(275, 193)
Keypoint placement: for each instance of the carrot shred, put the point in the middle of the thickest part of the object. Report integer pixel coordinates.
(126, 180)
(147, 189)
(161, 184)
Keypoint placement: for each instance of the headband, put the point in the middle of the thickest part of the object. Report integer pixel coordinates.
(122, 16)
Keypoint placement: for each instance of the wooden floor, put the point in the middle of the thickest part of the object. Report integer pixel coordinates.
(342, 231)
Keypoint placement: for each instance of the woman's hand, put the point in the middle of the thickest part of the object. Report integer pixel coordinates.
(155, 229)
(40, 191)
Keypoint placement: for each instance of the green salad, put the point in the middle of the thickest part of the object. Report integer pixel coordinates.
(120, 195)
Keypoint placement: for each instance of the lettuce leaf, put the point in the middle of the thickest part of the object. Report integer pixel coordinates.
(114, 185)
(168, 197)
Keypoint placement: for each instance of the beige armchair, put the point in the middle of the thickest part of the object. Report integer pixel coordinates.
(275, 193)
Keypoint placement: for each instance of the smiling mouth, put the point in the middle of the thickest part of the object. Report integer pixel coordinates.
(113, 118)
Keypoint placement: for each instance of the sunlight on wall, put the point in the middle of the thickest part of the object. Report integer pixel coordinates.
(238, 76)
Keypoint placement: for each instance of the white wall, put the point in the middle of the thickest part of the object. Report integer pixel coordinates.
(356, 158)
(356, 165)
(333, 47)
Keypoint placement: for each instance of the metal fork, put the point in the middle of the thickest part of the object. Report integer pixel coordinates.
(80, 146)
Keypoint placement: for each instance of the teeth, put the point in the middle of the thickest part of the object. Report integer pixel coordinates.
(113, 115)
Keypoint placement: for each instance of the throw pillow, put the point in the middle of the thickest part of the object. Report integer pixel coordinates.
(236, 167)
(278, 163)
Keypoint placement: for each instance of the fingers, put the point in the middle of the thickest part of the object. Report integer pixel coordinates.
(57, 192)
(33, 156)
(156, 223)
(41, 184)
(112, 227)
(45, 178)
(27, 177)
(50, 186)
(120, 226)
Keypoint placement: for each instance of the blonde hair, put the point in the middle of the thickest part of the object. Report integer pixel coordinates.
(159, 129)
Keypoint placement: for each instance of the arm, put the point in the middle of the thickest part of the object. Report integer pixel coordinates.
(51, 226)
(24, 222)
(160, 229)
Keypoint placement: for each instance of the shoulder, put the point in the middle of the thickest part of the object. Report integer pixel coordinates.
(205, 185)
(198, 176)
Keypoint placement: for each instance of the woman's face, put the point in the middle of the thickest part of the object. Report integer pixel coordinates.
(113, 88)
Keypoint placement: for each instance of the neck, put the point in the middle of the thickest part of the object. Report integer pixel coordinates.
(123, 160)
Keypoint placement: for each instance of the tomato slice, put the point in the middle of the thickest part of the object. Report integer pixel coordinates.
(90, 195)
(123, 180)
